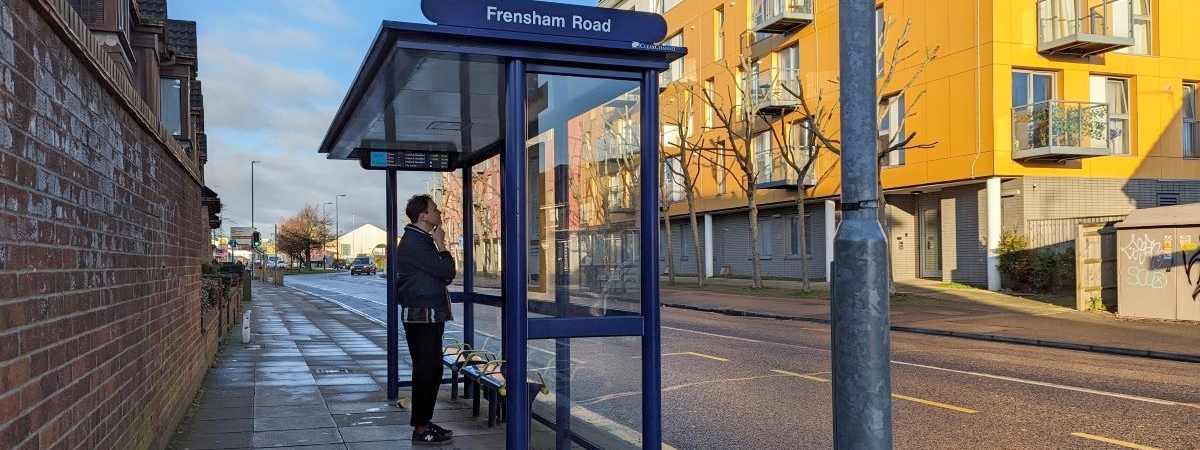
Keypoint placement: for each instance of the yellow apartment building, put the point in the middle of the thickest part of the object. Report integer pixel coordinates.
(1039, 115)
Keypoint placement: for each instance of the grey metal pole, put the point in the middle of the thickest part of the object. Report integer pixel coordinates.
(862, 402)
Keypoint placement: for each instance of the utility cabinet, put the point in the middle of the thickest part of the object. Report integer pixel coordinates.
(1158, 263)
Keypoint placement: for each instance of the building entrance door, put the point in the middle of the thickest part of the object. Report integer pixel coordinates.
(931, 242)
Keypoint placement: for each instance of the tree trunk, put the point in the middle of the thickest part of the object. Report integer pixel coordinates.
(803, 231)
(887, 234)
(700, 275)
(755, 250)
(670, 254)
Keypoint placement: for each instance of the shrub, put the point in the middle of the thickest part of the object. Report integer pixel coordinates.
(1040, 270)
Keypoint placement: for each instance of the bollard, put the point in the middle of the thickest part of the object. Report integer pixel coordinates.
(246, 326)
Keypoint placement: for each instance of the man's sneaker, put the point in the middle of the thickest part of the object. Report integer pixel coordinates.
(438, 429)
(430, 437)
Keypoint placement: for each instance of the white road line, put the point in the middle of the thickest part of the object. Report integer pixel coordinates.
(1051, 385)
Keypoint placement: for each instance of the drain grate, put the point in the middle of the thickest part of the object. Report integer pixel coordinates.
(331, 371)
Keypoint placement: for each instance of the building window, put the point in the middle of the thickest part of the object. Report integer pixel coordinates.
(879, 24)
(891, 129)
(1030, 87)
(170, 94)
(687, 246)
(709, 99)
(722, 170)
(764, 238)
(673, 179)
(794, 236)
(1141, 28)
(1115, 93)
(719, 34)
(763, 163)
(1191, 130)
(675, 70)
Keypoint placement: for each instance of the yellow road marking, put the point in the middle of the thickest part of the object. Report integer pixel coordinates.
(697, 354)
(800, 375)
(902, 397)
(1113, 441)
(933, 403)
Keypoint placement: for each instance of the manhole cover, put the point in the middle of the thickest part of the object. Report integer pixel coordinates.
(330, 371)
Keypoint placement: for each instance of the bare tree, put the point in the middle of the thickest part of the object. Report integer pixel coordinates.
(683, 135)
(734, 120)
(817, 119)
(301, 233)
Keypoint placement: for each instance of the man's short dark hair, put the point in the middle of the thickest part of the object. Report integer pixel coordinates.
(416, 205)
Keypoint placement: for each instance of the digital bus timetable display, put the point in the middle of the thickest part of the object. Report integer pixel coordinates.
(408, 160)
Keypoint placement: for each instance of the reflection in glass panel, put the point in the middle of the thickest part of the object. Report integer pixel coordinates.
(485, 205)
(583, 158)
(593, 391)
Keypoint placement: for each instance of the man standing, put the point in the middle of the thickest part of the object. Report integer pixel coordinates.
(424, 270)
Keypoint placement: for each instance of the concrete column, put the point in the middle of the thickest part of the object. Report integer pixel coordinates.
(830, 232)
(994, 225)
(708, 245)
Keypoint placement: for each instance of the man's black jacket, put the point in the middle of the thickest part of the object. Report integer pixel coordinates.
(423, 272)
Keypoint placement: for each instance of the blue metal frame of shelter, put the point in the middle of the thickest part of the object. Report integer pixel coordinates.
(519, 54)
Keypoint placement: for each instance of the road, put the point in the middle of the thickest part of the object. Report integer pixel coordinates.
(740, 382)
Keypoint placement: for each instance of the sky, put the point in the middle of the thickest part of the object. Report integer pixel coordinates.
(274, 72)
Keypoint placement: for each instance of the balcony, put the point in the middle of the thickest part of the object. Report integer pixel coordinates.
(1084, 27)
(774, 90)
(781, 16)
(1056, 130)
(777, 174)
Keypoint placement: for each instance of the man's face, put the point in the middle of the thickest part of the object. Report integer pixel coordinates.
(432, 215)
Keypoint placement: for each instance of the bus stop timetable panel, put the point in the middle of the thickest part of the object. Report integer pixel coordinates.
(408, 160)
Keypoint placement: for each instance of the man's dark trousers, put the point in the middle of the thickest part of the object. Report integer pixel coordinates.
(425, 346)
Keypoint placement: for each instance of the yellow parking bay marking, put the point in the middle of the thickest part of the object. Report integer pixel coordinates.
(714, 358)
(933, 403)
(800, 375)
(901, 397)
(1113, 441)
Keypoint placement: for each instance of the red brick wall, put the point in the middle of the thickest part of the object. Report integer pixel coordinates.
(101, 239)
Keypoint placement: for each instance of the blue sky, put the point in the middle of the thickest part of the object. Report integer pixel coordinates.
(274, 73)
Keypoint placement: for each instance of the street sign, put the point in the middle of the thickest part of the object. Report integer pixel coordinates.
(242, 233)
(232, 242)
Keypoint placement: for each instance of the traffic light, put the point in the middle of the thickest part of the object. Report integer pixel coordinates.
(255, 240)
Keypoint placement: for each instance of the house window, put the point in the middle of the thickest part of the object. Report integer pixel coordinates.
(739, 100)
(891, 130)
(719, 35)
(879, 23)
(709, 99)
(788, 62)
(763, 164)
(687, 246)
(673, 179)
(1115, 93)
(1141, 28)
(764, 238)
(794, 236)
(722, 170)
(1030, 87)
(170, 94)
(1191, 130)
(675, 70)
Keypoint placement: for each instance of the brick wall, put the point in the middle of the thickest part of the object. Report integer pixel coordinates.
(101, 239)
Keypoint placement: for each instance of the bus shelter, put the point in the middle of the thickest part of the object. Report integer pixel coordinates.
(548, 113)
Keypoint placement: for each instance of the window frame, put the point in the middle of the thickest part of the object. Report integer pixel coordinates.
(1191, 147)
(1126, 117)
(893, 117)
(675, 69)
(183, 111)
(1030, 91)
(719, 34)
(762, 144)
(794, 233)
(765, 239)
(722, 170)
(880, 22)
(1146, 18)
(710, 93)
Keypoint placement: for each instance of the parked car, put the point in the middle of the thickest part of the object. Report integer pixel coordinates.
(362, 265)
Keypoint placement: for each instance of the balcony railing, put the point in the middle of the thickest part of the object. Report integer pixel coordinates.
(1084, 27)
(1057, 130)
(774, 89)
(781, 16)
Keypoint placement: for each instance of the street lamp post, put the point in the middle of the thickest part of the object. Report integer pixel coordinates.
(337, 218)
(252, 229)
(325, 244)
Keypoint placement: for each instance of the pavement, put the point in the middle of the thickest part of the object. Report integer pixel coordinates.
(313, 375)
